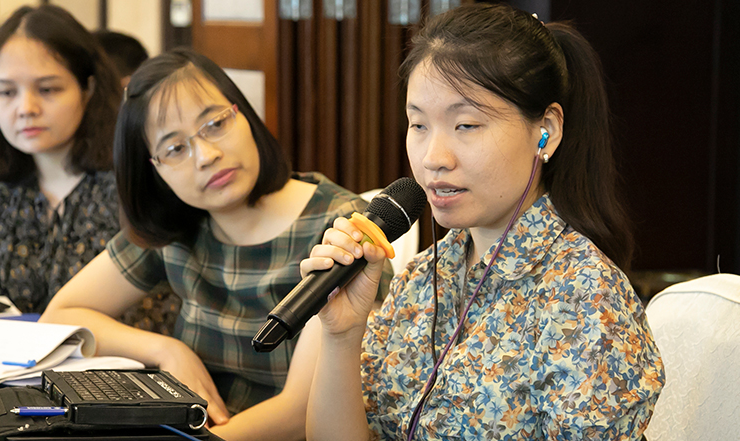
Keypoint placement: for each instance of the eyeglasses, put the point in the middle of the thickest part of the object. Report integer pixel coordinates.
(213, 130)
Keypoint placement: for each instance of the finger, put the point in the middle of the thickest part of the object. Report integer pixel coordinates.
(218, 414)
(343, 224)
(341, 239)
(344, 254)
(315, 263)
(373, 253)
(217, 409)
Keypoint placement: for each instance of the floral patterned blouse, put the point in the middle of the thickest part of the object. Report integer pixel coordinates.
(41, 250)
(555, 347)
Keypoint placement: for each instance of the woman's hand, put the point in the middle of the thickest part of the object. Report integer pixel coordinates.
(180, 361)
(349, 308)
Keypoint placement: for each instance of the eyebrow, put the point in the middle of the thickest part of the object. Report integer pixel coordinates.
(36, 80)
(48, 77)
(200, 116)
(450, 109)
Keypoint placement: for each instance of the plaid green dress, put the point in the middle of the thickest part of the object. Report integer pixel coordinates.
(227, 291)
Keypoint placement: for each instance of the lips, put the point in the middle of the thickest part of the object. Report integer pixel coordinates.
(221, 178)
(442, 189)
(444, 194)
(32, 131)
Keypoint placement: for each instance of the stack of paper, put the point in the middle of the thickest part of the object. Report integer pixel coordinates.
(7, 308)
(27, 348)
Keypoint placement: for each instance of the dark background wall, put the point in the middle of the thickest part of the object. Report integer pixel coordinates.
(673, 76)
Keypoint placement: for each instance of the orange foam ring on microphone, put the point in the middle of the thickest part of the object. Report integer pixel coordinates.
(373, 233)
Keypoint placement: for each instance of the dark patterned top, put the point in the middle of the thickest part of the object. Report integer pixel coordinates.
(41, 250)
(228, 290)
(556, 345)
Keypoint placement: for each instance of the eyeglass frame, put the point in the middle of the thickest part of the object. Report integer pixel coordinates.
(233, 110)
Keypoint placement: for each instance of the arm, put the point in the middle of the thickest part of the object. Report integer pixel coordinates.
(100, 292)
(336, 409)
(91, 298)
(283, 416)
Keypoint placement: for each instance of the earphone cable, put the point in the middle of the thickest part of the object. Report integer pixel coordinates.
(433, 378)
(434, 287)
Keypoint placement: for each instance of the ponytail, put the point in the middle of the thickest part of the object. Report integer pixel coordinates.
(582, 178)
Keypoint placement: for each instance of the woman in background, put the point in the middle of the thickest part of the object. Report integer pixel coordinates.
(58, 102)
(519, 324)
(212, 207)
(125, 52)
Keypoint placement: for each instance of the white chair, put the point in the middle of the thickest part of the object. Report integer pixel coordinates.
(696, 325)
(406, 246)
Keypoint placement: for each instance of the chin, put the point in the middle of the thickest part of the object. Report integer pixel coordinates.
(449, 222)
(227, 204)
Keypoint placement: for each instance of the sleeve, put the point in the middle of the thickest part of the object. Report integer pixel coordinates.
(4, 197)
(374, 349)
(596, 371)
(378, 390)
(97, 222)
(143, 267)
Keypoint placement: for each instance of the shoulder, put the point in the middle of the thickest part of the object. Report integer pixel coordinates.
(576, 272)
(330, 197)
(15, 197)
(572, 251)
(4, 193)
(8, 190)
(103, 179)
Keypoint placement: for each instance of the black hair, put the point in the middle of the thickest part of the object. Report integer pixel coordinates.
(152, 215)
(125, 51)
(76, 49)
(531, 65)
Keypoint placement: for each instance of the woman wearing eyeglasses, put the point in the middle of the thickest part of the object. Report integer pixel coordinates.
(210, 205)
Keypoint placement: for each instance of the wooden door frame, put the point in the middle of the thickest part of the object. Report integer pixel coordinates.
(254, 55)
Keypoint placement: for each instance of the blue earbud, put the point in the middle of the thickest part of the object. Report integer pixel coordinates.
(543, 140)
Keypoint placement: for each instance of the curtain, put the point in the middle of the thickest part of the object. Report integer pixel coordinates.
(341, 100)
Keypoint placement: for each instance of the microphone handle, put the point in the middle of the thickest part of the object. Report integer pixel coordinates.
(312, 293)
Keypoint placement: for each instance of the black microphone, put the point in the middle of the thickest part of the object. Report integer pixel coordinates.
(391, 212)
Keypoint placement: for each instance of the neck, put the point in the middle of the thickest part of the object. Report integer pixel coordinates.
(484, 238)
(232, 227)
(268, 218)
(55, 180)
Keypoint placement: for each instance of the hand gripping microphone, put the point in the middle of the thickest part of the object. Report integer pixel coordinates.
(389, 215)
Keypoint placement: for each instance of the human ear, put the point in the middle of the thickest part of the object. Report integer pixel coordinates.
(552, 122)
(90, 88)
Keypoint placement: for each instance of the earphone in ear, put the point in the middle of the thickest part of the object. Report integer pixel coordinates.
(542, 143)
(543, 140)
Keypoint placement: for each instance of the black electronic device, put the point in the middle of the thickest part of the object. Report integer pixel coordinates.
(125, 398)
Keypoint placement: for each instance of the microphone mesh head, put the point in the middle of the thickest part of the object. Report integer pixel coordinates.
(399, 205)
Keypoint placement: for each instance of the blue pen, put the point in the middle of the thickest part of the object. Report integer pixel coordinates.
(39, 411)
(26, 364)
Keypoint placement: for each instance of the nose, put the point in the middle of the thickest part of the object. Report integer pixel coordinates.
(205, 153)
(438, 155)
(28, 104)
